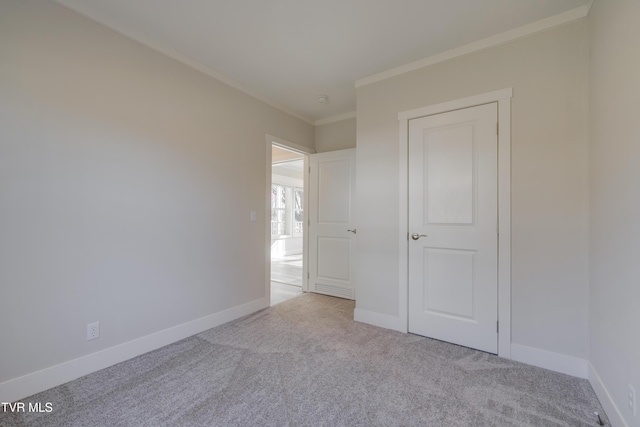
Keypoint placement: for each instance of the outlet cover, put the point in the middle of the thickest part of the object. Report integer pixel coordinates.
(93, 331)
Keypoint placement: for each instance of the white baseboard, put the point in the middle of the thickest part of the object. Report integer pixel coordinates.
(569, 365)
(35, 382)
(613, 412)
(377, 319)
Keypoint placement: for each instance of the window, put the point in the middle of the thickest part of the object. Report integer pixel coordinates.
(287, 211)
(278, 210)
(298, 211)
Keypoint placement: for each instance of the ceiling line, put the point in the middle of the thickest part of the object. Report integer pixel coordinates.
(184, 59)
(338, 118)
(523, 31)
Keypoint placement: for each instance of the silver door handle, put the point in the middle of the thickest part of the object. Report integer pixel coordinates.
(352, 231)
(416, 236)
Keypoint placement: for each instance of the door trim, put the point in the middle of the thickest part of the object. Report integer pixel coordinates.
(503, 98)
(270, 141)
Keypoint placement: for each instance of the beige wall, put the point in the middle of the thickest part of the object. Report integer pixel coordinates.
(126, 185)
(615, 200)
(336, 136)
(548, 73)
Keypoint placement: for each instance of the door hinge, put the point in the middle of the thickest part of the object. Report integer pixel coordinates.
(309, 222)
(497, 128)
(498, 227)
(308, 277)
(497, 327)
(309, 169)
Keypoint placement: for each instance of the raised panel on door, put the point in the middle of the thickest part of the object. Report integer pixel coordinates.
(331, 244)
(334, 191)
(449, 177)
(453, 212)
(449, 282)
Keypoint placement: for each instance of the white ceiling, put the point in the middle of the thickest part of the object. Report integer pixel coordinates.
(288, 52)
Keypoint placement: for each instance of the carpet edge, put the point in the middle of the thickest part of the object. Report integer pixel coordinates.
(21, 387)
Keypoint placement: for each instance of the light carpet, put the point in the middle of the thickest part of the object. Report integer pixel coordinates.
(305, 362)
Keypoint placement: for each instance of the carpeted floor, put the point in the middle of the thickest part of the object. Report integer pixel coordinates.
(305, 362)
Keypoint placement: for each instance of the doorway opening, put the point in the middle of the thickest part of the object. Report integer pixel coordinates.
(287, 224)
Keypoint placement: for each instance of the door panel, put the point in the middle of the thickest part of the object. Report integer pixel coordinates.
(453, 206)
(332, 264)
(333, 190)
(331, 245)
(449, 157)
(448, 282)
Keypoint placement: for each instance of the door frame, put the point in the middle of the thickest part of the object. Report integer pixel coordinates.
(503, 99)
(305, 151)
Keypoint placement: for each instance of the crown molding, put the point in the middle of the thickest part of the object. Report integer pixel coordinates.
(338, 118)
(180, 57)
(507, 36)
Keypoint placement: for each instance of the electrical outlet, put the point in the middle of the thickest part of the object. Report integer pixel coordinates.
(632, 399)
(93, 331)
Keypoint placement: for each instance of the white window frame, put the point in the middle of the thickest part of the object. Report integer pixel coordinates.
(286, 229)
(290, 185)
(294, 223)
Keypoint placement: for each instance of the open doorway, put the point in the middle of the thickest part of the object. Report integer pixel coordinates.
(287, 225)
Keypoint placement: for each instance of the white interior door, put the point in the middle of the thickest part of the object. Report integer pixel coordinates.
(453, 212)
(331, 229)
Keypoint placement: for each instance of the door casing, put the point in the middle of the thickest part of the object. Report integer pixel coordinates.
(503, 98)
(270, 141)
